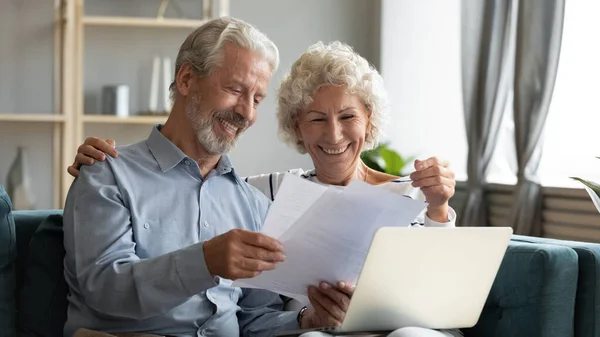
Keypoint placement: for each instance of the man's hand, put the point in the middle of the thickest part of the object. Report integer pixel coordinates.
(437, 183)
(241, 254)
(92, 149)
(329, 305)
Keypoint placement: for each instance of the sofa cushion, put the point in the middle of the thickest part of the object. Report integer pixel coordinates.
(587, 300)
(8, 254)
(42, 301)
(533, 294)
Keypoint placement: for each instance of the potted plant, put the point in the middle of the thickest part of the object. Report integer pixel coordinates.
(384, 159)
(593, 190)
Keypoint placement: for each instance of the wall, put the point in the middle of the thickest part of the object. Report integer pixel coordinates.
(124, 55)
(293, 26)
(420, 62)
(26, 81)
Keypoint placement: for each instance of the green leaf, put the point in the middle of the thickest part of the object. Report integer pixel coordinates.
(393, 161)
(594, 186)
(372, 163)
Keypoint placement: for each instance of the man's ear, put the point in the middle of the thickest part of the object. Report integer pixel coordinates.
(184, 78)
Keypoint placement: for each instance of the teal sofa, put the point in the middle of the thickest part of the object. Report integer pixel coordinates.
(545, 288)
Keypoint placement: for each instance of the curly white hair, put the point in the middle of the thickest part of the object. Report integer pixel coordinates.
(332, 64)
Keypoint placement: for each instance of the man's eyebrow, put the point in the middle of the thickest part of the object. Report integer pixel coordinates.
(245, 87)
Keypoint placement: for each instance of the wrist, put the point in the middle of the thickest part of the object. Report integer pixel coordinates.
(438, 213)
(206, 252)
(304, 318)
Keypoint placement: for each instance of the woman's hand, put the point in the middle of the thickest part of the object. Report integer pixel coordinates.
(330, 304)
(91, 150)
(437, 183)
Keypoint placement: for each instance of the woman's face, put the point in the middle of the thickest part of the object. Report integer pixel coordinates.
(333, 130)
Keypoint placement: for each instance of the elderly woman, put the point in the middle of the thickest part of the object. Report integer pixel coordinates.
(332, 105)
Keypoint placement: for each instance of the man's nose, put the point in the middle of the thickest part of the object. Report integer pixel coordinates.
(245, 108)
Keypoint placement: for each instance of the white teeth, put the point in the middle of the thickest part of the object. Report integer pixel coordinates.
(335, 151)
(229, 127)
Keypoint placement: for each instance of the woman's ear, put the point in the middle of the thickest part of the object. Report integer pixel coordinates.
(369, 123)
(298, 133)
(296, 126)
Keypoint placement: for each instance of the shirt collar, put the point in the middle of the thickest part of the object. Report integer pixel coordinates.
(168, 155)
(224, 165)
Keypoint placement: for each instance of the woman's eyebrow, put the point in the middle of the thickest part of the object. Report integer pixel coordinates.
(339, 112)
(348, 108)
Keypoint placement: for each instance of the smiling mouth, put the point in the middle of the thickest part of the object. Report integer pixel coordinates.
(229, 127)
(335, 151)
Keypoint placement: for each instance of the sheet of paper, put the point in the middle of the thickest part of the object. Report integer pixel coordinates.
(294, 197)
(330, 240)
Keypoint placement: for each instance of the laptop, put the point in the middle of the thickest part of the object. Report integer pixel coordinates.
(437, 278)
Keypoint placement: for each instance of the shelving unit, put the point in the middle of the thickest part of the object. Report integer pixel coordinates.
(141, 22)
(108, 119)
(69, 119)
(22, 117)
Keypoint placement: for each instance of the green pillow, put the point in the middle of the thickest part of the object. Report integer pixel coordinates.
(42, 301)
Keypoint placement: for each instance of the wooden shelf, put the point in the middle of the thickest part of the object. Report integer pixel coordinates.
(123, 21)
(21, 117)
(111, 119)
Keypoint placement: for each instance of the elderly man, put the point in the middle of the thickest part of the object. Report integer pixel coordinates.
(154, 237)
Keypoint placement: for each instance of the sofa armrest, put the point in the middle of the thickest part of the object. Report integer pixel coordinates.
(8, 255)
(587, 300)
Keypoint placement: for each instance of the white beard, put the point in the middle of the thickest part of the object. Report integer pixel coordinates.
(204, 129)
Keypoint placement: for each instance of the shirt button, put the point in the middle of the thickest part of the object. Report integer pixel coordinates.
(205, 224)
(203, 332)
(146, 225)
(187, 162)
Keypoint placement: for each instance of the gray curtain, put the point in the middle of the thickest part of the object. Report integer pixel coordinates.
(486, 55)
(539, 35)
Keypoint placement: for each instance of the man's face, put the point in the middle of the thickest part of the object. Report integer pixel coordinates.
(222, 106)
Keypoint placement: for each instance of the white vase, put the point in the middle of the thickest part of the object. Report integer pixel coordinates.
(18, 183)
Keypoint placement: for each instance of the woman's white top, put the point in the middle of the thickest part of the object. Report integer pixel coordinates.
(269, 184)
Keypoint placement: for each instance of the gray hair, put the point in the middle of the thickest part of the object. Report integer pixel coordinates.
(332, 64)
(202, 49)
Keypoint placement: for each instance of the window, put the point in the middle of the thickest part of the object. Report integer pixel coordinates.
(421, 66)
(572, 139)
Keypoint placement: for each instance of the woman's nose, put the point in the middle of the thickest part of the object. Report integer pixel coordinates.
(334, 132)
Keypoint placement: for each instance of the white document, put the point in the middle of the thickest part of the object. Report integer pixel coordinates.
(326, 233)
(299, 194)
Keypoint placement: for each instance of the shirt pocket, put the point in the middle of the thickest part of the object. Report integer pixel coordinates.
(155, 237)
